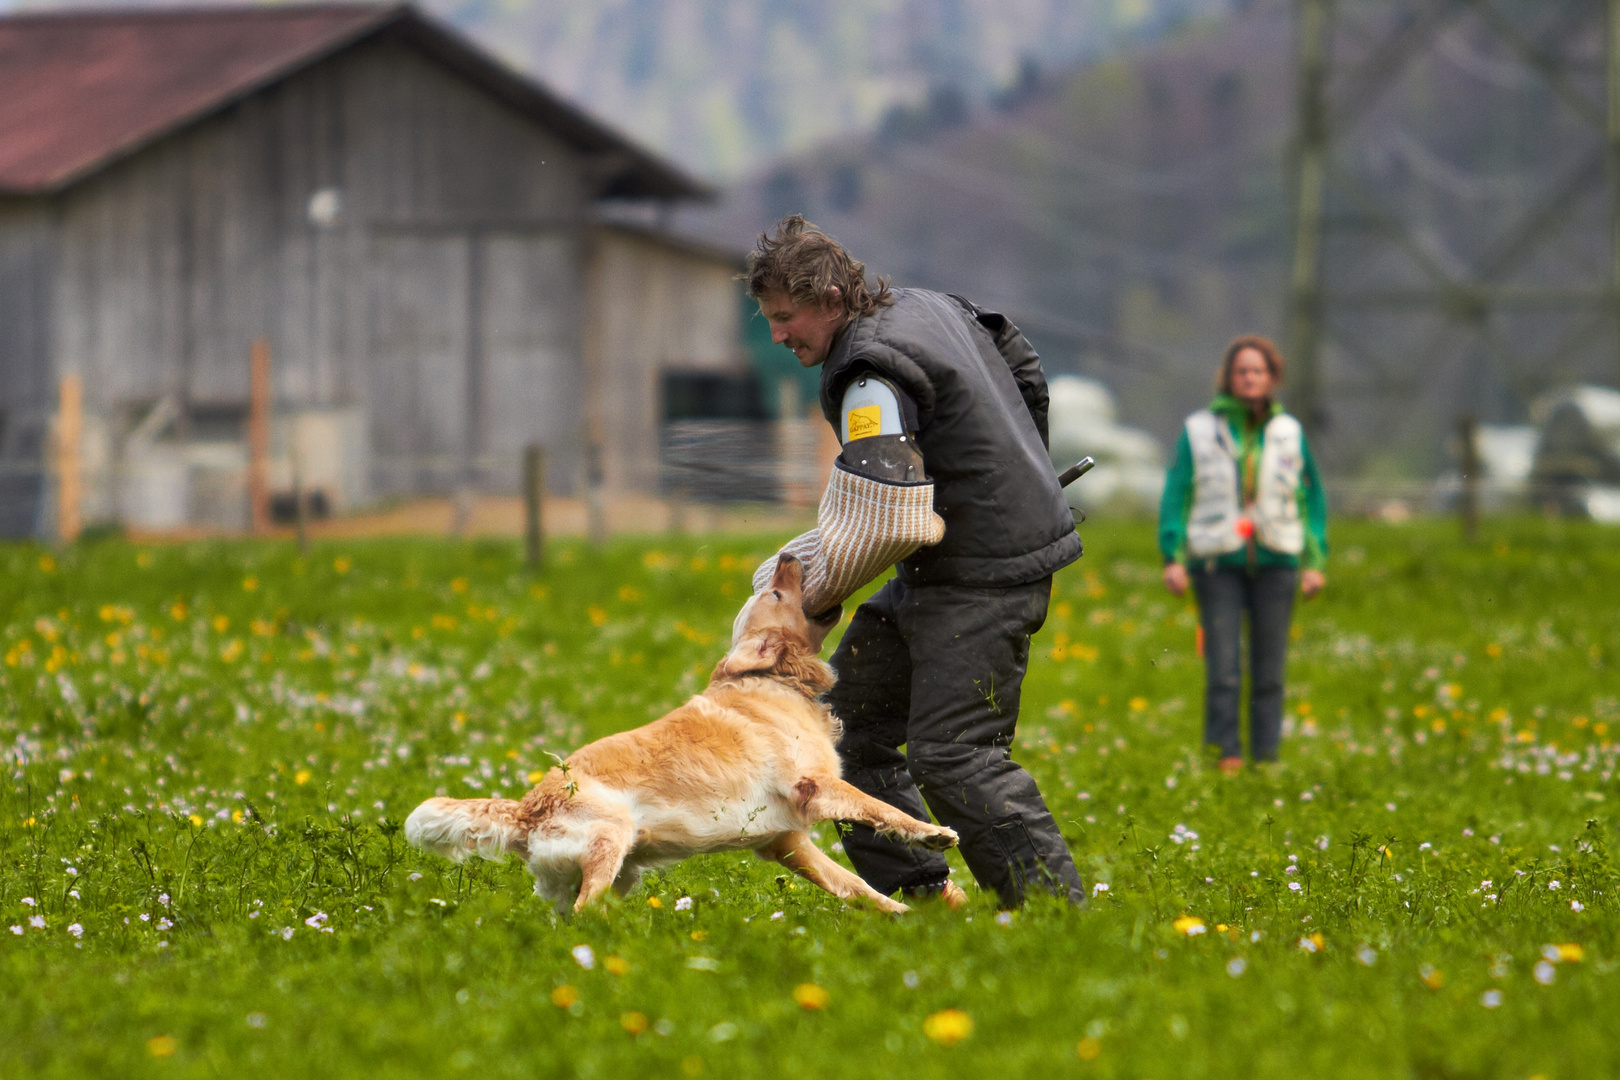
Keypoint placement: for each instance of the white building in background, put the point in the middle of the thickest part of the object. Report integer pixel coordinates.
(1577, 457)
(1130, 463)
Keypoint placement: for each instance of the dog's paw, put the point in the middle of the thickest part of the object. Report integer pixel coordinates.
(937, 839)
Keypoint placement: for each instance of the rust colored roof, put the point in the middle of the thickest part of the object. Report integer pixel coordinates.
(80, 90)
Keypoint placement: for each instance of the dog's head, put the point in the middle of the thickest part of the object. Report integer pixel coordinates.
(772, 634)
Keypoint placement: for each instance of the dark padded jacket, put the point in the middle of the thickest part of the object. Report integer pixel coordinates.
(981, 421)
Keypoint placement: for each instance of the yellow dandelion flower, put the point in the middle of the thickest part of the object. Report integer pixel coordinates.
(629, 594)
(342, 564)
(1431, 976)
(1139, 704)
(810, 996)
(195, 820)
(143, 560)
(616, 965)
(301, 777)
(48, 564)
(1190, 925)
(1493, 650)
(948, 1026)
(162, 1046)
(1570, 953)
(654, 902)
(699, 935)
(1089, 1048)
(564, 996)
(459, 585)
(539, 592)
(221, 623)
(597, 614)
(537, 775)
(250, 584)
(236, 817)
(633, 1022)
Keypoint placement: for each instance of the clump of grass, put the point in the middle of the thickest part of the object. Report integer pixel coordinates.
(208, 750)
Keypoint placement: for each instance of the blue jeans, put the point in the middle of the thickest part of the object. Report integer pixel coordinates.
(1267, 594)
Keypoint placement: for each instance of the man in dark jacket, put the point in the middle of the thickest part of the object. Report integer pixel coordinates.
(941, 410)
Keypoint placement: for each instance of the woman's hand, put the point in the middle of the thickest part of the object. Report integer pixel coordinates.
(1311, 582)
(1175, 578)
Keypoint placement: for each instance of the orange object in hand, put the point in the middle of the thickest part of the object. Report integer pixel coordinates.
(1198, 640)
(1245, 527)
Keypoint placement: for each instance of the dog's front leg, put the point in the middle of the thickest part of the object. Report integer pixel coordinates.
(604, 855)
(833, 799)
(798, 853)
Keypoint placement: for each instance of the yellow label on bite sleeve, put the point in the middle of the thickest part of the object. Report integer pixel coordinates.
(865, 421)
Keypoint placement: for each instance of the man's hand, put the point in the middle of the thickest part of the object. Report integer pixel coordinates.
(1175, 578)
(1311, 582)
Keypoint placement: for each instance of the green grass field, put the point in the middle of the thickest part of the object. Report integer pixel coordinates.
(208, 751)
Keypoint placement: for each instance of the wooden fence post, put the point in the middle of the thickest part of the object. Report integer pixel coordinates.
(69, 460)
(259, 435)
(1469, 467)
(534, 494)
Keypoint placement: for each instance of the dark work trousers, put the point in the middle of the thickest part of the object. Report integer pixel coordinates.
(938, 668)
(1224, 594)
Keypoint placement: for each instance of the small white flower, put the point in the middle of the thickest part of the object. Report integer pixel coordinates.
(1292, 869)
(1576, 905)
(164, 924)
(683, 904)
(413, 877)
(1236, 966)
(1555, 885)
(1551, 954)
(286, 933)
(76, 930)
(1294, 886)
(257, 1020)
(17, 930)
(1367, 956)
(72, 871)
(1390, 807)
(1307, 944)
(910, 979)
(1425, 846)
(1100, 887)
(253, 914)
(29, 900)
(37, 921)
(1545, 973)
(584, 956)
(1255, 936)
(163, 898)
(316, 921)
(1003, 918)
(73, 893)
(778, 915)
(1491, 999)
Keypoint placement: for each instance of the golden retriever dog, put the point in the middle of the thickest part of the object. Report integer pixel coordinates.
(748, 764)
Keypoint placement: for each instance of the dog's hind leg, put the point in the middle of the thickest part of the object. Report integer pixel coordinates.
(798, 853)
(604, 854)
(833, 799)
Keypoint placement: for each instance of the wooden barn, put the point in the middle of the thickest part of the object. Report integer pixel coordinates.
(420, 237)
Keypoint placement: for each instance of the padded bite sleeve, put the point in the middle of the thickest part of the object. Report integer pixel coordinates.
(864, 526)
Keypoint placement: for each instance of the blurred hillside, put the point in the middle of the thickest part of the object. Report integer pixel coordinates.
(722, 86)
(1135, 213)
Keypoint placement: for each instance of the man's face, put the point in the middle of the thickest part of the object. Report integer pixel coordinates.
(807, 329)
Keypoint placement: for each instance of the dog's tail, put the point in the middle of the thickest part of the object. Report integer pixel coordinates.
(459, 828)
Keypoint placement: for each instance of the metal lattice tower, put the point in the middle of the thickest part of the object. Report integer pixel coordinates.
(1504, 276)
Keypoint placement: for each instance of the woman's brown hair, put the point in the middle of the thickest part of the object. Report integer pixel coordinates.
(1262, 345)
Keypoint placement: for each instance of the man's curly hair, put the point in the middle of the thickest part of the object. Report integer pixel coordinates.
(807, 264)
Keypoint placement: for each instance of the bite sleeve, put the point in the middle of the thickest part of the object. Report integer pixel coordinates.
(864, 526)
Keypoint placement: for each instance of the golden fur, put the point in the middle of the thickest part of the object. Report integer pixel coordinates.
(749, 763)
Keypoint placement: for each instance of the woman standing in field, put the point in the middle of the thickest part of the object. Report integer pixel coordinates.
(1244, 520)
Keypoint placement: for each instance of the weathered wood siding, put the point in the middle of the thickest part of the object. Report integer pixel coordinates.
(655, 306)
(444, 301)
(26, 254)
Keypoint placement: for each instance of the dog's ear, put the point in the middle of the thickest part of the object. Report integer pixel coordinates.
(756, 652)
